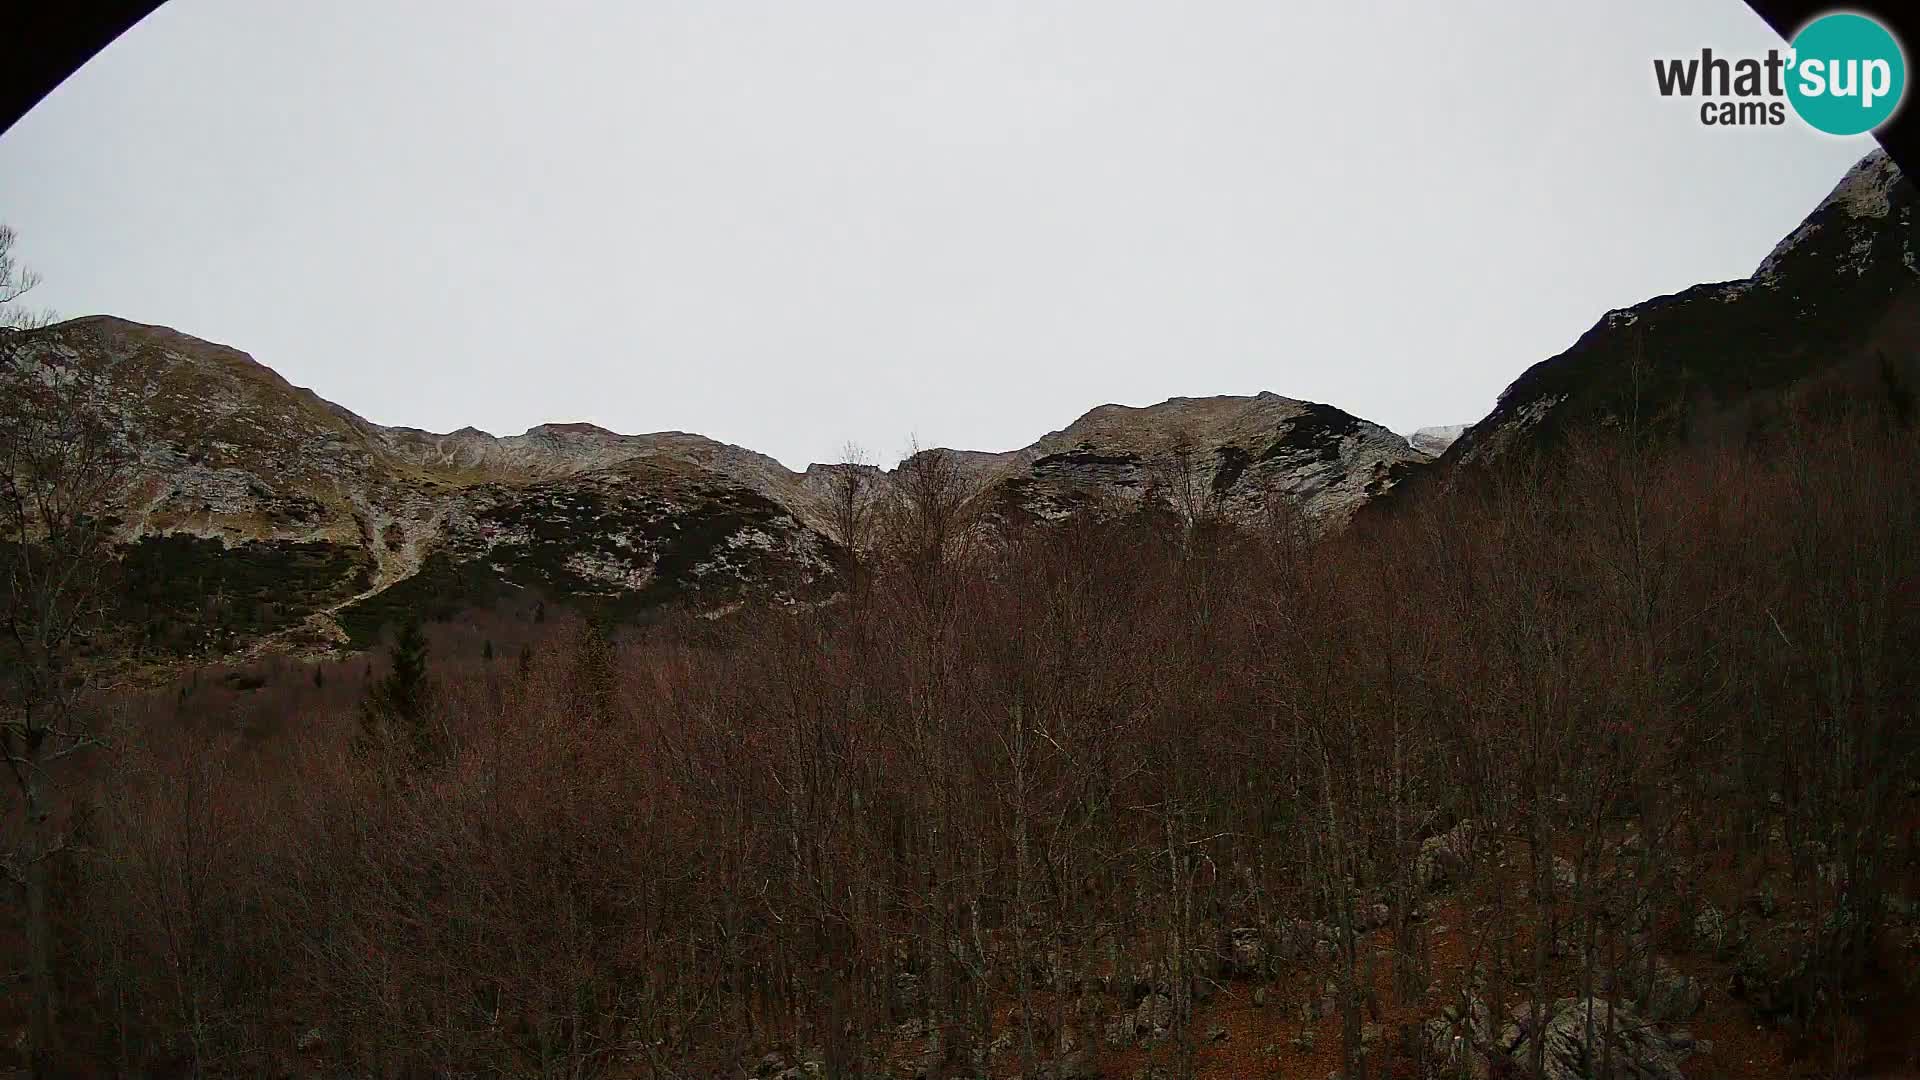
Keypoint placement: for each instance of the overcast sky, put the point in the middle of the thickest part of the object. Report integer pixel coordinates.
(790, 224)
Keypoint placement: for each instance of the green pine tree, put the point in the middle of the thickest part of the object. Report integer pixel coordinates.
(398, 709)
(595, 689)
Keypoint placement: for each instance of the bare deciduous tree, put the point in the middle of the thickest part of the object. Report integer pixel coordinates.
(1185, 479)
(16, 281)
(850, 495)
(927, 519)
(61, 465)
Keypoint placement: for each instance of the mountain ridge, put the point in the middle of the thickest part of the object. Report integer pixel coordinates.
(1838, 292)
(305, 522)
(238, 466)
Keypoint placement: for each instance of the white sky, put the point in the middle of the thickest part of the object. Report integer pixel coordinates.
(790, 224)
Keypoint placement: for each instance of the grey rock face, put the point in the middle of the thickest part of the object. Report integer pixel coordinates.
(1465, 1044)
(1642, 1050)
(231, 453)
(1836, 291)
(1433, 441)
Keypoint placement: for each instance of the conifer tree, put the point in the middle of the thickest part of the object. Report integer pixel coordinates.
(595, 691)
(398, 707)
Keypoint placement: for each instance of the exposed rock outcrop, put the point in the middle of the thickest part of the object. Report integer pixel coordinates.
(1433, 441)
(1574, 1035)
(1838, 299)
(325, 526)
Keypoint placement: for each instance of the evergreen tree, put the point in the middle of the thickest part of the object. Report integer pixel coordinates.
(595, 690)
(398, 707)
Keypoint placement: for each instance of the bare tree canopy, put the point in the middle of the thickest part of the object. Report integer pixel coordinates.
(62, 464)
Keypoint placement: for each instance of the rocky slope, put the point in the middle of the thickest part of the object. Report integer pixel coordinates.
(1225, 456)
(1433, 441)
(263, 513)
(1836, 305)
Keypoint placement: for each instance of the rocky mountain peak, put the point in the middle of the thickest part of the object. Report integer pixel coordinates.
(316, 525)
(1870, 192)
(1433, 441)
(1840, 291)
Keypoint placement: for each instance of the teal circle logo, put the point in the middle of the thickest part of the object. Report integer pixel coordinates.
(1848, 74)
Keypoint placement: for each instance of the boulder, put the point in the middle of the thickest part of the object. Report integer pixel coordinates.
(1638, 1048)
(1153, 1019)
(1458, 1041)
(1461, 1044)
(1149, 1022)
(1246, 952)
(1565, 877)
(1443, 858)
(1370, 917)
